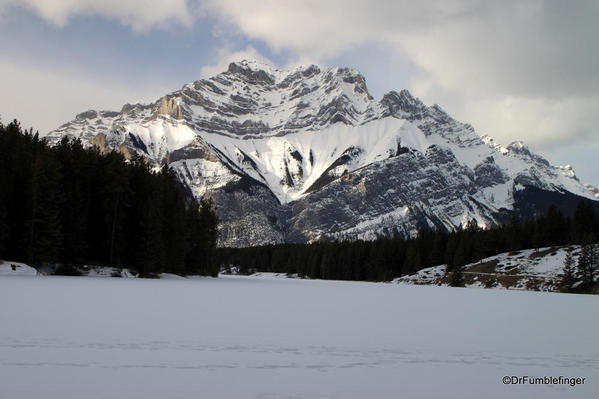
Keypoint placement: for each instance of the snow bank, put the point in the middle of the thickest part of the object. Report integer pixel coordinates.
(530, 269)
(8, 268)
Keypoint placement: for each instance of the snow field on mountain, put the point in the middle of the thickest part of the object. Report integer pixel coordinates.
(376, 139)
(162, 136)
(246, 337)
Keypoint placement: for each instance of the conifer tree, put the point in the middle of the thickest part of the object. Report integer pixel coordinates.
(116, 195)
(45, 233)
(74, 211)
(588, 261)
(450, 249)
(568, 270)
(208, 235)
(202, 227)
(460, 256)
(584, 222)
(438, 251)
(412, 259)
(457, 276)
(3, 225)
(583, 265)
(69, 204)
(556, 227)
(514, 233)
(175, 229)
(149, 244)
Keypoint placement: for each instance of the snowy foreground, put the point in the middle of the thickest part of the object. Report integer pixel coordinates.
(272, 338)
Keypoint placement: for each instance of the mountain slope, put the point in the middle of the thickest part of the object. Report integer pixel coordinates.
(307, 154)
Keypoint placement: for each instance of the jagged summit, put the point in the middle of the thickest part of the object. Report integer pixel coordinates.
(254, 72)
(307, 153)
(250, 99)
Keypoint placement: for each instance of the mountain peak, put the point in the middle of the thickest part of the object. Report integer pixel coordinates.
(306, 153)
(253, 71)
(518, 147)
(403, 101)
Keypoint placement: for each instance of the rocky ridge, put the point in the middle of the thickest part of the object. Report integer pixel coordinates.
(309, 154)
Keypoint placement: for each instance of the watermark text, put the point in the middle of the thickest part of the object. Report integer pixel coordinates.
(547, 380)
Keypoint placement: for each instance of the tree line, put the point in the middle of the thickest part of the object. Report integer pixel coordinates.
(387, 258)
(69, 205)
(579, 275)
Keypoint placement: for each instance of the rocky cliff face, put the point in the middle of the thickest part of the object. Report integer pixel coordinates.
(308, 154)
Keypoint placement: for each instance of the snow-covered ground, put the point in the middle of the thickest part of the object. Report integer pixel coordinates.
(530, 269)
(271, 338)
(8, 268)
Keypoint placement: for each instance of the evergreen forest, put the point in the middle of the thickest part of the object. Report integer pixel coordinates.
(386, 258)
(67, 206)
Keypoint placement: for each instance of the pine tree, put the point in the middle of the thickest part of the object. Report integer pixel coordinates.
(556, 227)
(412, 259)
(4, 169)
(593, 261)
(66, 204)
(74, 212)
(460, 255)
(4, 228)
(45, 232)
(438, 250)
(568, 270)
(480, 244)
(209, 235)
(450, 249)
(325, 263)
(514, 234)
(457, 276)
(588, 261)
(378, 263)
(584, 222)
(203, 234)
(176, 235)
(459, 261)
(116, 194)
(583, 264)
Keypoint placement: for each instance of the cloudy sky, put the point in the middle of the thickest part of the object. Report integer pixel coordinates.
(516, 70)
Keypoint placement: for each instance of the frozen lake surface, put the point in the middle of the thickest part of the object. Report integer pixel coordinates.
(245, 337)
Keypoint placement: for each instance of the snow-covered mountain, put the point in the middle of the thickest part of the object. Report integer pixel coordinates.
(307, 153)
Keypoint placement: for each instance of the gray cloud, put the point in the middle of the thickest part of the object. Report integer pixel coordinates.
(140, 15)
(515, 69)
(42, 97)
(528, 48)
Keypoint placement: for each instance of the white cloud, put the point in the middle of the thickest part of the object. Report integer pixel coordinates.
(514, 69)
(543, 123)
(42, 98)
(140, 15)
